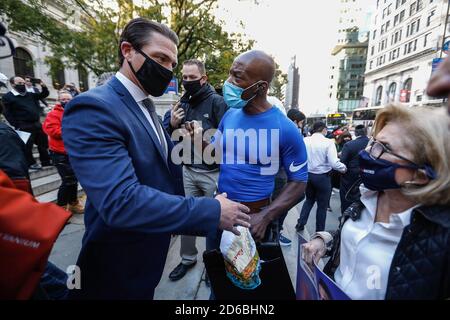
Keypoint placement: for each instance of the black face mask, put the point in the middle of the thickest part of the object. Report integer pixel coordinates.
(192, 87)
(153, 77)
(20, 88)
(63, 104)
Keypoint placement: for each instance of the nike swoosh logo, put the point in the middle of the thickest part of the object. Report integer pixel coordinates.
(293, 168)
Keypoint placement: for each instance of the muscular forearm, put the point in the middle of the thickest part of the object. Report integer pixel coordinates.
(288, 198)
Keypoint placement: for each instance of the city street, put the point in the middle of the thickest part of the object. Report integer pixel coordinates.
(192, 286)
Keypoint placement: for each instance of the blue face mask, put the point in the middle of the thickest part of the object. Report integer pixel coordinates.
(232, 95)
(379, 174)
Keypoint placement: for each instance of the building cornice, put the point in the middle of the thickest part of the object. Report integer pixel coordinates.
(353, 45)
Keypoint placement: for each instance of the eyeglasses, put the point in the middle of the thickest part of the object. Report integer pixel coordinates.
(377, 149)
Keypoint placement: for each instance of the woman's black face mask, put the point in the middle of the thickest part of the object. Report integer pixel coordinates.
(153, 77)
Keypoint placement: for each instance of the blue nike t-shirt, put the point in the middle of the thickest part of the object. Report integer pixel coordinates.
(253, 149)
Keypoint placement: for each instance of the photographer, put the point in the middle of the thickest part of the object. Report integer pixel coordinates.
(30, 84)
(22, 112)
(72, 89)
(200, 103)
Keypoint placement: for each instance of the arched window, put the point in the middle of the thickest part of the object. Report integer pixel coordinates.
(391, 92)
(58, 77)
(23, 63)
(379, 96)
(83, 80)
(405, 95)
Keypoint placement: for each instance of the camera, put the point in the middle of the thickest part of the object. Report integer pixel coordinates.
(35, 81)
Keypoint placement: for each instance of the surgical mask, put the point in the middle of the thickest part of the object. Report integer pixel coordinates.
(20, 88)
(192, 87)
(379, 174)
(153, 77)
(232, 95)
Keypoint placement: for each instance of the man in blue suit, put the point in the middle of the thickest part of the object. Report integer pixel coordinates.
(121, 156)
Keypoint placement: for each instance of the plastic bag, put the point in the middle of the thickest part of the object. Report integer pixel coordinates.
(242, 262)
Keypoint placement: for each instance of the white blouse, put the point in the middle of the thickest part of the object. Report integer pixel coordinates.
(367, 250)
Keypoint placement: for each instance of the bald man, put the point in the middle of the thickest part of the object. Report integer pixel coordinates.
(439, 85)
(256, 140)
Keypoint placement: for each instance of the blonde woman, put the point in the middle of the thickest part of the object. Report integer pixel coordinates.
(395, 242)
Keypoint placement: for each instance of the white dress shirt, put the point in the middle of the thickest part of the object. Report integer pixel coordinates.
(322, 154)
(139, 95)
(367, 250)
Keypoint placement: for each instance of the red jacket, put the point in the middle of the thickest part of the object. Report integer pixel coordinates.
(52, 127)
(28, 231)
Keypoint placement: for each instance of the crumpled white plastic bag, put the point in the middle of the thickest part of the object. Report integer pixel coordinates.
(242, 261)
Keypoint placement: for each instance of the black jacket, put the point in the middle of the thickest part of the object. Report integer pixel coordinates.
(12, 154)
(207, 107)
(23, 110)
(420, 268)
(349, 155)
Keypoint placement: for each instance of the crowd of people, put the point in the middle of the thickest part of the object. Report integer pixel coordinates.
(394, 186)
(23, 108)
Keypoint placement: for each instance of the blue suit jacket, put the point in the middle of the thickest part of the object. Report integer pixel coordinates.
(134, 196)
(350, 152)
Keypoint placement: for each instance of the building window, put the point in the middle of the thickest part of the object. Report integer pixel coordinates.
(413, 28)
(425, 39)
(430, 17)
(58, 77)
(412, 46)
(419, 5)
(396, 37)
(83, 79)
(23, 63)
(356, 65)
(391, 92)
(394, 54)
(378, 96)
(399, 3)
(402, 16)
(405, 94)
(412, 8)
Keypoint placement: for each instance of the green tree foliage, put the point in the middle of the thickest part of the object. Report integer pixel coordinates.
(94, 44)
(277, 85)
